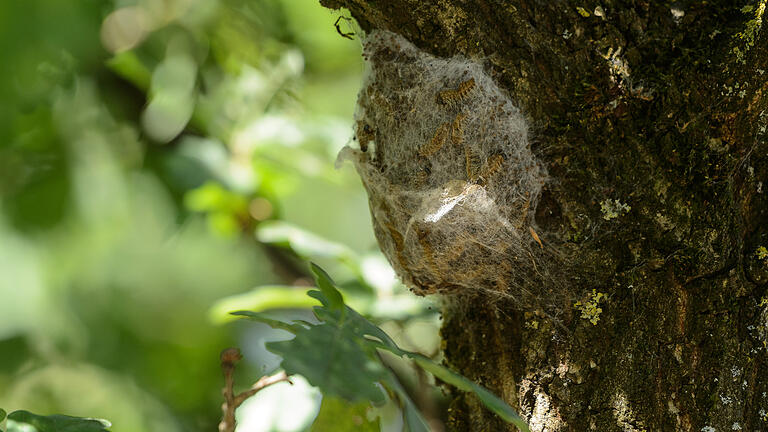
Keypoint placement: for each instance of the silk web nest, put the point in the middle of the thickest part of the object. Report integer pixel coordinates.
(452, 183)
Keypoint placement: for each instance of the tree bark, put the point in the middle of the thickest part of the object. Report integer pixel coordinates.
(657, 106)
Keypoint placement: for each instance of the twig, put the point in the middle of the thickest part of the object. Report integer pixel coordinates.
(229, 358)
(264, 381)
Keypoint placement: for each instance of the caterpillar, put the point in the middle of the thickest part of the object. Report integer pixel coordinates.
(491, 167)
(457, 129)
(423, 175)
(428, 253)
(456, 252)
(470, 161)
(399, 243)
(524, 211)
(501, 278)
(453, 96)
(397, 238)
(437, 141)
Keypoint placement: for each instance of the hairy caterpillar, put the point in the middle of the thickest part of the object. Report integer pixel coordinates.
(437, 141)
(524, 211)
(453, 96)
(457, 129)
(399, 242)
(491, 167)
(423, 175)
(428, 253)
(469, 162)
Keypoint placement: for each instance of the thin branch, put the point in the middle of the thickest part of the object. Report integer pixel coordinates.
(264, 381)
(229, 358)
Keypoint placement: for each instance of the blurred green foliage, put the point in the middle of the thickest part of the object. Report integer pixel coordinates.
(162, 161)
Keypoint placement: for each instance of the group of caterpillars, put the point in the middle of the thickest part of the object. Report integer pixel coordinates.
(434, 260)
(455, 130)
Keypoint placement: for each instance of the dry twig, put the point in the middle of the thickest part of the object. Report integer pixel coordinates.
(229, 358)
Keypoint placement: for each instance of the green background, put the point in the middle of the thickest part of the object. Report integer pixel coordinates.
(163, 162)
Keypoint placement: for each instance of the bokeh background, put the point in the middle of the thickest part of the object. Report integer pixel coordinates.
(164, 162)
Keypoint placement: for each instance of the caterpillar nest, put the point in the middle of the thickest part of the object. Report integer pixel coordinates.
(451, 179)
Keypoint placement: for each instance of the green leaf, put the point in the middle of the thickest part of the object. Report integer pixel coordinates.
(360, 326)
(254, 316)
(334, 359)
(260, 299)
(341, 416)
(491, 401)
(328, 288)
(2, 414)
(414, 421)
(335, 312)
(25, 421)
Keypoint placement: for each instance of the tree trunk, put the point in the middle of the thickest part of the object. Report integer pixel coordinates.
(651, 122)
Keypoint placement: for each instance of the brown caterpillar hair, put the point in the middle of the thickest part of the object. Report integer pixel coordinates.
(457, 129)
(437, 141)
(422, 175)
(427, 249)
(491, 167)
(470, 161)
(454, 96)
(398, 241)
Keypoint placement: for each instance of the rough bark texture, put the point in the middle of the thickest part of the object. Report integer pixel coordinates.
(660, 106)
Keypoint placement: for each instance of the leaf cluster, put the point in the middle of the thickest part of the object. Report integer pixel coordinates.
(340, 355)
